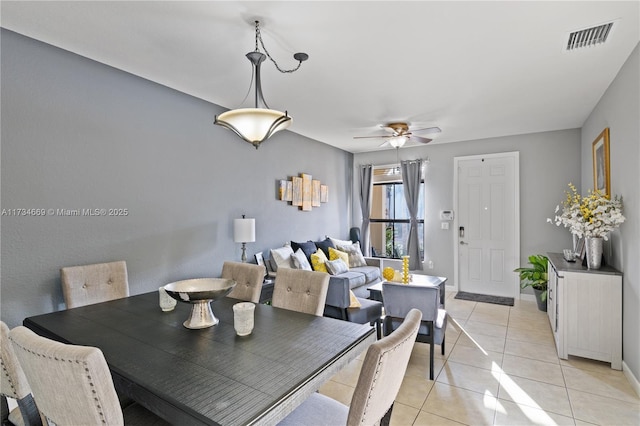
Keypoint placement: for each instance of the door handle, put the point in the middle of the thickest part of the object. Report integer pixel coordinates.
(462, 243)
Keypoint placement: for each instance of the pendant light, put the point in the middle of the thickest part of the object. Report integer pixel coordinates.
(255, 125)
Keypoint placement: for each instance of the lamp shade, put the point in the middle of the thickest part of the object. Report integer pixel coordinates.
(397, 141)
(244, 230)
(254, 125)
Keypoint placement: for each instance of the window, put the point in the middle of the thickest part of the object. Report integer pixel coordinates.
(389, 226)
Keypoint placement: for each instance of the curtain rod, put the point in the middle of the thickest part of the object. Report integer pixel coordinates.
(424, 160)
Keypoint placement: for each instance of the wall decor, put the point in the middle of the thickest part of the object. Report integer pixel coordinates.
(306, 191)
(303, 191)
(324, 193)
(601, 173)
(297, 191)
(315, 193)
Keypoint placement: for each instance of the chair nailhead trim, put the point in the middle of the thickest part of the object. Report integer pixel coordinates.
(86, 369)
(8, 376)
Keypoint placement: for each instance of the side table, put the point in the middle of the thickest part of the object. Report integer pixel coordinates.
(267, 290)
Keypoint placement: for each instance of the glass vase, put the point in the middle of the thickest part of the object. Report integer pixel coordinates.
(594, 252)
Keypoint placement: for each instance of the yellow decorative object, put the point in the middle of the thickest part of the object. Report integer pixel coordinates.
(397, 277)
(388, 273)
(405, 269)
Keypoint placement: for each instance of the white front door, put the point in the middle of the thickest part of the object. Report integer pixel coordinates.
(487, 224)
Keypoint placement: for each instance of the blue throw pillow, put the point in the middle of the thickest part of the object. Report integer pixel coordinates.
(324, 245)
(308, 248)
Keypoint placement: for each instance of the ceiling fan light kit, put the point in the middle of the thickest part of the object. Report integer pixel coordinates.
(255, 125)
(401, 133)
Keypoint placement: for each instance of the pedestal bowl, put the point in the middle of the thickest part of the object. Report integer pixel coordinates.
(200, 292)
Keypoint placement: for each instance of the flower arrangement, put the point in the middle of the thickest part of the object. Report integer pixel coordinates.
(592, 216)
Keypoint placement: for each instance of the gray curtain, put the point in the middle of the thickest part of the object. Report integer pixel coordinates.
(411, 177)
(366, 173)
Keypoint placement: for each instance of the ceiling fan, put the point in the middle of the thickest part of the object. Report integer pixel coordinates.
(400, 133)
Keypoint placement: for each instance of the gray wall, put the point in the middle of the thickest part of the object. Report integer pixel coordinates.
(548, 161)
(619, 109)
(78, 134)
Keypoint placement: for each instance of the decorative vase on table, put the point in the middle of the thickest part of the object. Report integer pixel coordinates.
(594, 252)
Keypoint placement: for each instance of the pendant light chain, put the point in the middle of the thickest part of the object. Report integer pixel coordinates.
(259, 37)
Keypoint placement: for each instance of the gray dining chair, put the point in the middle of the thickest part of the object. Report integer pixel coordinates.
(13, 384)
(300, 290)
(399, 299)
(383, 369)
(89, 284)
(248, 278)
(71, 384)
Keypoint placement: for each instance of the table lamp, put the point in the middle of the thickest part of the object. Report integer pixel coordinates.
(244, 231)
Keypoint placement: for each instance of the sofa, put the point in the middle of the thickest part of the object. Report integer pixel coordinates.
(343, 286)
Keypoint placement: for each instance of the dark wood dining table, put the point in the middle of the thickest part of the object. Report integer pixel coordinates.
(210, 376)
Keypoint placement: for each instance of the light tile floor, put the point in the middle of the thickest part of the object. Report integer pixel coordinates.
(501, 368)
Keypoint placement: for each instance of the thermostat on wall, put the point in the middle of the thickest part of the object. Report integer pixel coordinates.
(446, 215)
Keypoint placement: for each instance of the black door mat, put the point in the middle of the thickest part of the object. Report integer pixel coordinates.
(474, 297)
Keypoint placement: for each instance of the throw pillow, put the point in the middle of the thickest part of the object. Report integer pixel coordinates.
(299, 260)
(355, 255)
(336, 242)
(281, 257)
(335, 267)
(353, 301)
(318, 260)
(337, 254)
(308, 248)
(324, 245)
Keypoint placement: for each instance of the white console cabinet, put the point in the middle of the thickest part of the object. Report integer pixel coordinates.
(585, 310)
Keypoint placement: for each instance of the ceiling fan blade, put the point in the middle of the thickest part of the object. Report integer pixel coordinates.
(428, 130)
(370, 137)
(385, 143)
(420, 139)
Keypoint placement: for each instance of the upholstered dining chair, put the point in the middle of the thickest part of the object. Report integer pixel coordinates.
(14, 385)
(399, 299)
(89, 284)
(71, 384)
(248, 278)
(300, 290)
(383, 369)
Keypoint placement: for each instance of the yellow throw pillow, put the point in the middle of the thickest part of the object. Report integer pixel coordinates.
(318, 260)
(337, 254)
(353, 300)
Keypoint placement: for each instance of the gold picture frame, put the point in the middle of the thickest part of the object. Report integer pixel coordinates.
(601, 171)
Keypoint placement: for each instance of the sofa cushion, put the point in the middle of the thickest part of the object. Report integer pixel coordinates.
(308, 248)
(318, 260)
(371, 273)
(324, 245)
(355, 255)
(281, 257)
(336, 267)
(337, 254)
(356, 279)
(300, 261)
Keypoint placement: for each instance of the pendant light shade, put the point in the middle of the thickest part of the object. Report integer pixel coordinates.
(255, 125)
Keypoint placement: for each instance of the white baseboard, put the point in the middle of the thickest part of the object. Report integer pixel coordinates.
(528, 297)
(633, 380)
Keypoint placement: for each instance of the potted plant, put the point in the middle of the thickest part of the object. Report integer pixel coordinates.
(536, 278)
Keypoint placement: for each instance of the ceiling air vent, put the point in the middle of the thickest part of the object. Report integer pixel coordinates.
(588, 37)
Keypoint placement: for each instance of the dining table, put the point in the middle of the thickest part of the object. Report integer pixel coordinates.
(210, 376)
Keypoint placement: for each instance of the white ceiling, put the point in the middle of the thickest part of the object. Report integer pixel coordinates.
(475, 69)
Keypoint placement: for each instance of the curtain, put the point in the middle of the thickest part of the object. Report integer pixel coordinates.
(366, 173)
(411, 177)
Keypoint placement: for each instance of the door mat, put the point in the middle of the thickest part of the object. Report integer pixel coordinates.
(474, 297)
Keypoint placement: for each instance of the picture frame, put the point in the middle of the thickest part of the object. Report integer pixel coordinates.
(601, 170)
(260, 261)
(580, 249)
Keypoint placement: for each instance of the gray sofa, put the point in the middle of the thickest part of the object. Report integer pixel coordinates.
(356, 279)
